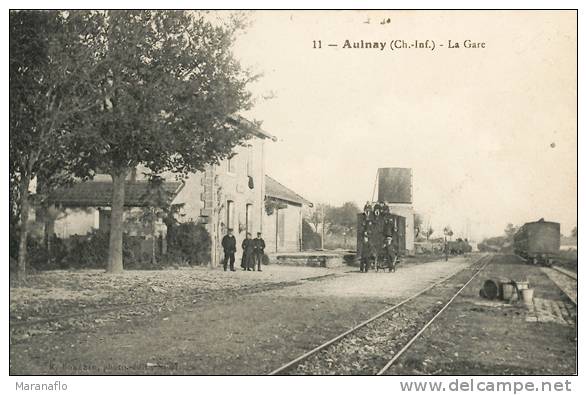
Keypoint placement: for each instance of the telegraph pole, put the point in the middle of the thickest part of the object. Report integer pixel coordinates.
(322, 238)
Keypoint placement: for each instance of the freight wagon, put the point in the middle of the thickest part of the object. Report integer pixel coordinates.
(538, 242)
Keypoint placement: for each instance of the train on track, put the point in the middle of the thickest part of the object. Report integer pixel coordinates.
(459, 246)
(538, 242)
(375, 224)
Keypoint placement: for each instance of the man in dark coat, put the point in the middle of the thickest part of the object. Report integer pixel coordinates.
(248, 251)
(389, 253)
(229, 246)
(368, 211)
(367, 253)
(259, 251)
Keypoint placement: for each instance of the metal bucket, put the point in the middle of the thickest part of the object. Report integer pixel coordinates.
(528, 296)
(507, 291)
(521, 285)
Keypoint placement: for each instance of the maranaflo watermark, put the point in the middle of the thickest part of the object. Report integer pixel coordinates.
(55, 386)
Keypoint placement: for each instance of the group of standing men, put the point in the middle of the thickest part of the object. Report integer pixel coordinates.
(377, 220)
(253, 251)
(370, 256)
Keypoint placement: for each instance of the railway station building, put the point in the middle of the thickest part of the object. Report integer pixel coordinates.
(230, 194)
(282, 224)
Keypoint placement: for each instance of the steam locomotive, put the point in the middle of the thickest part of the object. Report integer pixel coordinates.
(376, 222)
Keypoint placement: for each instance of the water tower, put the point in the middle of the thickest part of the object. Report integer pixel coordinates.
(394, 187)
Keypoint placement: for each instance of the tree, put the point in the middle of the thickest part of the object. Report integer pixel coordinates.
(574, 232)
(510, 231)
(49, 80)
(157, 209)
(169, 88)
(317, 215)
(418, 222)
(447, 232)
(310, 237)
(318, 220)
(343, 219)
(428, 232)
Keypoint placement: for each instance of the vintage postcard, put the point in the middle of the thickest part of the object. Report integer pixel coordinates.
(294, 192)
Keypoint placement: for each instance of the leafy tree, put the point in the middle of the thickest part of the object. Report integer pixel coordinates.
(343, 219)
(574, 232)
(317, 215)
(510, 231)
(428, 232)
(447, 232)
(169, 88)
(310, 238)
(492, 243)
(49, 76)
(157, 209)
(418, 222)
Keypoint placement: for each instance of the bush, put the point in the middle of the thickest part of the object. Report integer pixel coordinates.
(189, 243)
(337, 241)
(89, 251)
(83, 252)
(38, 256)
(310, 239)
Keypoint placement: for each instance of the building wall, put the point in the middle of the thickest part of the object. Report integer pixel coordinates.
(407, 211)
(81, 221)
(231, 184)
(282, 230)
(190, 196)
(75, 221)
(206, 196)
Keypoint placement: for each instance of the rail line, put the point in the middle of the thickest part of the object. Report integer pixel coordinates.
(417, 335)
(564, 289)
(336, 339)
(565, 272)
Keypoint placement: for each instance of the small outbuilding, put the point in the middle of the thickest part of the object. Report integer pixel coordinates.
(282, 224)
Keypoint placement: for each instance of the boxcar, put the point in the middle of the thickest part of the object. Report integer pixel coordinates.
(538, 241)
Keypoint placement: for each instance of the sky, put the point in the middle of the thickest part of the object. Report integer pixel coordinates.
(490, 133)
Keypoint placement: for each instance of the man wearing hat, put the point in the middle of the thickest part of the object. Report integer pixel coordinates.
(259, 251)
(367, 253)
(389, 253)
(229, 246)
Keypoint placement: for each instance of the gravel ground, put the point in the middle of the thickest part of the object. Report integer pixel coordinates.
(234, 332)
(473, 336)
(480, 337)
(367, 350)
(62, 301)
(58, 292)
(383, 285)
(251, 323)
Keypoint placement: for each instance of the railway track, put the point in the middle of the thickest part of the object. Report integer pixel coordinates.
(565, 272)
(567, 284)
(478, 266)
